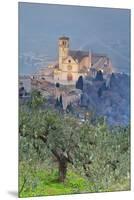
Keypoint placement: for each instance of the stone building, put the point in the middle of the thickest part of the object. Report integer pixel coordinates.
(73, 63)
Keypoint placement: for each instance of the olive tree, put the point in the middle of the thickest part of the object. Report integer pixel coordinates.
(102, 154)
(59, 135)
(36, 100)
(97, 150)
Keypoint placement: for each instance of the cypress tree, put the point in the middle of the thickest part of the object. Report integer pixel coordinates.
(57, 85)
(57, 104)
(79, 83)
(60, 100)
(112, 79)
(99, 76)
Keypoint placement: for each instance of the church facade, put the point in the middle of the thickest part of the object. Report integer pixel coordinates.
(72, 64)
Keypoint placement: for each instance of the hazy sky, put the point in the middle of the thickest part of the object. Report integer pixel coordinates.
(99, 29)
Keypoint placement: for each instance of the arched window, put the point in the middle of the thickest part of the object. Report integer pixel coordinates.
(64, 43)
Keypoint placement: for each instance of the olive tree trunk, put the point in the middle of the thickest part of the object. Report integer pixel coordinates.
(62, 164)
(62, 170)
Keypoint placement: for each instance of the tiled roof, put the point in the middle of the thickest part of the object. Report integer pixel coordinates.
(79, 55)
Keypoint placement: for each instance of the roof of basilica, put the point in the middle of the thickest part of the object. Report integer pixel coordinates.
(78, 55)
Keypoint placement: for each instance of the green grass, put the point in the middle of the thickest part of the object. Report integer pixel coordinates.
(44, 183)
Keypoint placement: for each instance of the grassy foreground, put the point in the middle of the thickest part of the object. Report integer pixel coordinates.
(43, 183)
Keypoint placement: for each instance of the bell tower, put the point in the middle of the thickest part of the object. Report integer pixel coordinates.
(63, 49)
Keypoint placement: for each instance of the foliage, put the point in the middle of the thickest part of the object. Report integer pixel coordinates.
(58, 134)
(99, 76)
(58, 103)
(99, 92)
(36, 100)
(85, 157)
(44, 182)
(69, 108)
(60, 99)
(112, 79)
(108, 151)
(79, 83)
(57, 85)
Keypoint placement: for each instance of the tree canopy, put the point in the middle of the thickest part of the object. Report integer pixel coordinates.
(36, 100)
(85, 146)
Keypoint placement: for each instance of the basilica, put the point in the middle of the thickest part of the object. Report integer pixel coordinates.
(72, 64)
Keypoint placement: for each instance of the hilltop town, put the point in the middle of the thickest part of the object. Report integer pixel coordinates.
(85, 82)
(70, 65)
